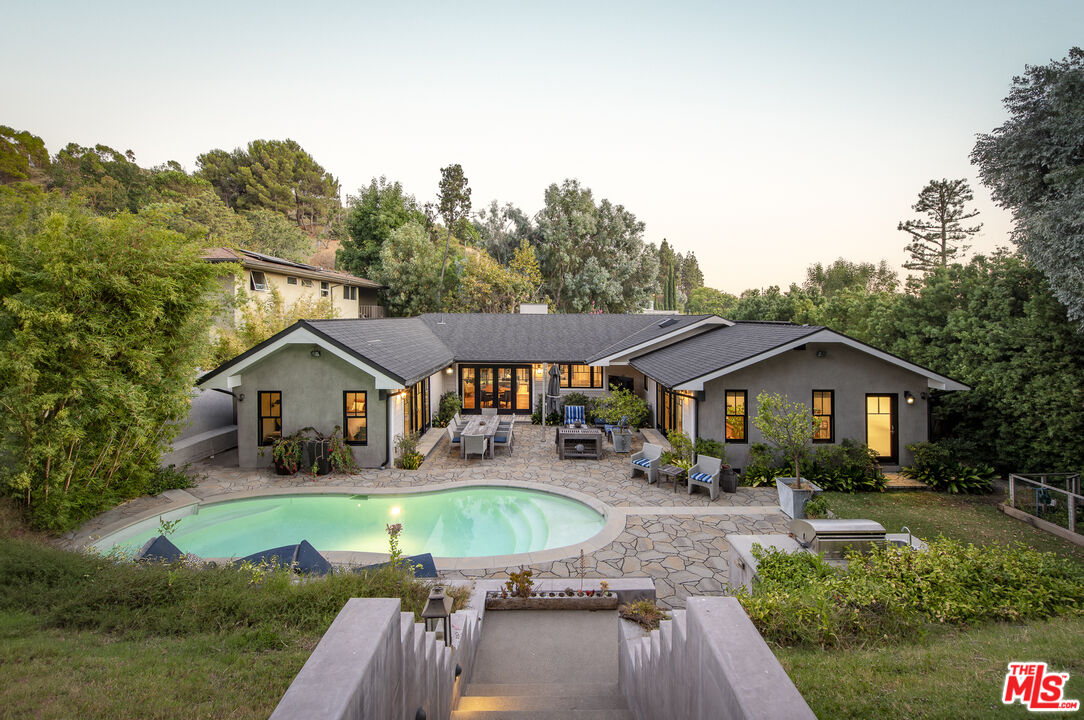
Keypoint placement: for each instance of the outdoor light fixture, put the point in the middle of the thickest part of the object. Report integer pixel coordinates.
(923, 394)
(315, 352)
(538, 372)
(908, 397)
(439, 607)
(822, 353)
(448, 370)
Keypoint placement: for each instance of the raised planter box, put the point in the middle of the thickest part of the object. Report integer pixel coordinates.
(793, 501)
(622, 441)
(553, 601)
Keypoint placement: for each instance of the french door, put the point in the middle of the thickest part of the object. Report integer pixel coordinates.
(504, 387)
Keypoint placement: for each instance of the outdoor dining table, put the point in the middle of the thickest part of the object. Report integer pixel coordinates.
(485, 425)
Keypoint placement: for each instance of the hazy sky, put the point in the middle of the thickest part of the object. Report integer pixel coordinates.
(763, 138)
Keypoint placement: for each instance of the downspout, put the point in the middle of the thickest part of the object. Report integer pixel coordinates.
(387, 430)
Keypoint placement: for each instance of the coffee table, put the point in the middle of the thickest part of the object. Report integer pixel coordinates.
(582, 442)
(671, 473)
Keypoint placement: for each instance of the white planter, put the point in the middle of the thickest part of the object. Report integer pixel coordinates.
(622, 441)
(793, 501)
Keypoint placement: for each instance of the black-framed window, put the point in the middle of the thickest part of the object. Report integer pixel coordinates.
(737, 416)
(580, 376)
(269, 416)
(504, 387)
(350, 292)
(291, 281)
(355, 417)
(416, 407)
(824, 403)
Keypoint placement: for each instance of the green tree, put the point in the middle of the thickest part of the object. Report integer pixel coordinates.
(667, 259)
(788, 426)
(487, 286)
(691, 275)
(108, 179)
(374, 214)
(190, 206)
(410, 265)
(501, 229)
(100, 333)
(276, 175)
(709, 301)
(453, 204)
(261, 318)
(1034, 164)
(272, 234)
(936, 240)
(846, 275)
(21, 155)
(592, 256)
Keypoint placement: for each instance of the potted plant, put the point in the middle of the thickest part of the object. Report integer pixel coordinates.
(339, 455)
(287, 453)
(790, 428)
(317, 450)
(624, 409)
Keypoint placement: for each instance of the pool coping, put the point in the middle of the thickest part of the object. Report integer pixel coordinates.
(179, 500)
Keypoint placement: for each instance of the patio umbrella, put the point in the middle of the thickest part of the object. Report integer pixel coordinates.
(553, 389)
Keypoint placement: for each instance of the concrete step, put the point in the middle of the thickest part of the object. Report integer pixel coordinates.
(611, 690)
(543, 714)
(558, 701)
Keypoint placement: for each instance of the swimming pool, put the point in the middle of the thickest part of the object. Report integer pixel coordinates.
(462, 522)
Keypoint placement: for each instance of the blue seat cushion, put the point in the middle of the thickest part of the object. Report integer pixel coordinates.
(455, 440)
(501, 438)
(702, 477)
(642, 462)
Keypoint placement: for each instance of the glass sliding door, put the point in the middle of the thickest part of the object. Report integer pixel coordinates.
(485, 388)
(467, 390)
(504, 388)
(523, 390)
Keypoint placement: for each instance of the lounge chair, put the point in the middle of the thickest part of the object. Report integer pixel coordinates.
(647, 461)
(706, 474)
(503, 438)
(454, 438)
(574, 414)
(475, 445)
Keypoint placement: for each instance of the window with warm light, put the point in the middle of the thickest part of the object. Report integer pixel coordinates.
(737, 419)
(823, 413)
(355, 422)
(580, 376)
(269, 406)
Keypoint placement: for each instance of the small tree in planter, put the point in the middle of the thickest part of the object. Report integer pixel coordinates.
(790, 428)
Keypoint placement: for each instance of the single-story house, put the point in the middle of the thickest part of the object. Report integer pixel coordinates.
(699, 374)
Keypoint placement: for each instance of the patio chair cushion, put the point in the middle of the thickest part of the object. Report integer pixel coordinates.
(574, 414)
(702, 477)
(501, 438)
(642, 462)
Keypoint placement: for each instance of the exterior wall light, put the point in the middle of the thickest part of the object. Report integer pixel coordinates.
(908, 397)
(315, 352)
(438, 607)
(822, 353)
(448, 370)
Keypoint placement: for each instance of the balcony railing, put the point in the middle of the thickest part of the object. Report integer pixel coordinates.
(370, 311)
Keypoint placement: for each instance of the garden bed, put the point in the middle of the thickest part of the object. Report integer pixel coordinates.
(560, 600)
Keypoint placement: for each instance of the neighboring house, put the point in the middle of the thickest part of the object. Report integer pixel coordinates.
(699, 373)
(352, 296)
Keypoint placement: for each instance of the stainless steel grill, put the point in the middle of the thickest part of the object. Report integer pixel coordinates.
(831, 538)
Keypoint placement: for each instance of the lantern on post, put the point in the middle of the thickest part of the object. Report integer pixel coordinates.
(438, 607)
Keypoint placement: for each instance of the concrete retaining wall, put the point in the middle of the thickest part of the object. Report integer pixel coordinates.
(708, 662)
(376, 663)
(208, 430)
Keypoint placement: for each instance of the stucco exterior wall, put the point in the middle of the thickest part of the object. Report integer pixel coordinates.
(796, 373)
(312, 396)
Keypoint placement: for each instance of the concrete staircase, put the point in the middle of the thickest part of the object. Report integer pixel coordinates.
(545, 665)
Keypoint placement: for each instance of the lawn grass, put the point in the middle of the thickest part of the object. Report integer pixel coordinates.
(83, 636)
(968, 518)
(951, 674)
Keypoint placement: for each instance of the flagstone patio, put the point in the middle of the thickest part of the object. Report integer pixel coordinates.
(675, 538)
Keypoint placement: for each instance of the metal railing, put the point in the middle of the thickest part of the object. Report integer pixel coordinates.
(1053, 497)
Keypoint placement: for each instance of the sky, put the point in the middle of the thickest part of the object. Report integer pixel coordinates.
(762, 136)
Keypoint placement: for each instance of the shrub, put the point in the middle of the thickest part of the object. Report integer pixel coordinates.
(681, 449)
(554, 418)
(817, 507)
(450, 404)
(407, 456)
(943, 466)
(848, 467)
(168, 478)
(578, 398)
(643, 612)
(622, 403)
(763, 466)
(711, 448)
(896, 592)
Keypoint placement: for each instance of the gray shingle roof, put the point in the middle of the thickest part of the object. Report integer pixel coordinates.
(405, 347)
(717, 349)
(483, 337)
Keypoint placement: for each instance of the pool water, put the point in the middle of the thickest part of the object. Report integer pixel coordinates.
(464, 522)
